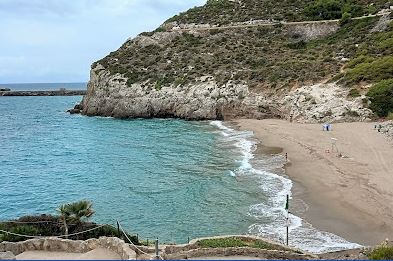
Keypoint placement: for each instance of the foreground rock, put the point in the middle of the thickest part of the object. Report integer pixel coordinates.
(76, 110)
(7, 256)
(387, 129)
(81, 249)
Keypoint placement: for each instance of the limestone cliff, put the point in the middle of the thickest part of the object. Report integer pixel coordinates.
(258, 69)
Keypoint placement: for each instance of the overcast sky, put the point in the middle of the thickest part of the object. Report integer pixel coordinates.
(58, 40)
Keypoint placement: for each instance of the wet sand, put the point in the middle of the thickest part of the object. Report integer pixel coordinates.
(347, 188)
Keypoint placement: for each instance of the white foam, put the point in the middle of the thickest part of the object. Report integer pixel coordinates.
(271, 215)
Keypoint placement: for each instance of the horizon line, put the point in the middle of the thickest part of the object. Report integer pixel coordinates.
(15, 83)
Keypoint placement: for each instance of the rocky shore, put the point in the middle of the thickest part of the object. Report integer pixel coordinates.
(109, 95)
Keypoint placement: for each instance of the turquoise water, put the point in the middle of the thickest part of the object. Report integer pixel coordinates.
(169, 179)
(162, 178)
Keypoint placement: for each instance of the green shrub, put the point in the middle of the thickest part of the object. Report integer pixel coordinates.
(334, 9)
(381, 97)
(324, 10)
(234, 242)
(18, 229)
(297, 45)
(222, 242)
(358, 60)
(53, 227)
(354, 93)
(346, 18)
(381, 253)
(375, 71)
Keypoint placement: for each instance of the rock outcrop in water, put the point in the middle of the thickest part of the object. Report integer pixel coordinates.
(244, 70)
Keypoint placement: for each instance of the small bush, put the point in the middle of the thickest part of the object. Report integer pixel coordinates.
(297, 45)
(47, 225)
(358, 60)
(222, 242)
(382, 253)
(23, 230)
(346, 18)
(324, 10)
(354, 93)
(381, 97)
(375, 71)
(234, 242)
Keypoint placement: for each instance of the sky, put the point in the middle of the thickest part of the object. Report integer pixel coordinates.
(57, 40)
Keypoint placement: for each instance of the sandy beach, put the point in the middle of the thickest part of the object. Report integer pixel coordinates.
(347, 191)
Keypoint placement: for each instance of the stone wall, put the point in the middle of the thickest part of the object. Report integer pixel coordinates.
(311, 31)
(74, 246)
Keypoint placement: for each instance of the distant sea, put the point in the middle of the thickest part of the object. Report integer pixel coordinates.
(164, 178)
(44, 86)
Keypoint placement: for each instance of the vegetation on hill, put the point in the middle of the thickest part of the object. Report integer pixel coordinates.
(266, 58)
(381, 97)
(372, 63)
(260, 56)
(223, 12)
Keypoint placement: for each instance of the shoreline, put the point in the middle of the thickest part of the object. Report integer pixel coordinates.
(43, 93)
(340, 195)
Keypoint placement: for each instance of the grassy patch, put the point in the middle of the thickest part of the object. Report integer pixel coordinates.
(234, 242)
(354, 93)
(381, 253)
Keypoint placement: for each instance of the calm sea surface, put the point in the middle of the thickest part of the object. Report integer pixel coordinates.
(170, 179)
(165, 178)
(44, 86)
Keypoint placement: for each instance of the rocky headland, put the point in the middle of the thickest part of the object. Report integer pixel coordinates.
(203, 68)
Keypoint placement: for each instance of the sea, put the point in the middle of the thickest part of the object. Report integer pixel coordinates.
(169, 179)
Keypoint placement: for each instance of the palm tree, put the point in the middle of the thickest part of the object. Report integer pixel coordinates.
(81, 210)
(75, 212)
(64, 216)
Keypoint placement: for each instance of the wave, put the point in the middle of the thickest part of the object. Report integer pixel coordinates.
(270, 216)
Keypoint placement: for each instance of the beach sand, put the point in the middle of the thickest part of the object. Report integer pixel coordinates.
(350, 196)
(96, 254)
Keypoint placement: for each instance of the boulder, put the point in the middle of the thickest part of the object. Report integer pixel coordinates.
(78, 107)
(74, 111)
(7, 256)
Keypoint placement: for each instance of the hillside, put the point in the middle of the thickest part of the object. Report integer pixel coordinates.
(208, 71)
(232, 11)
